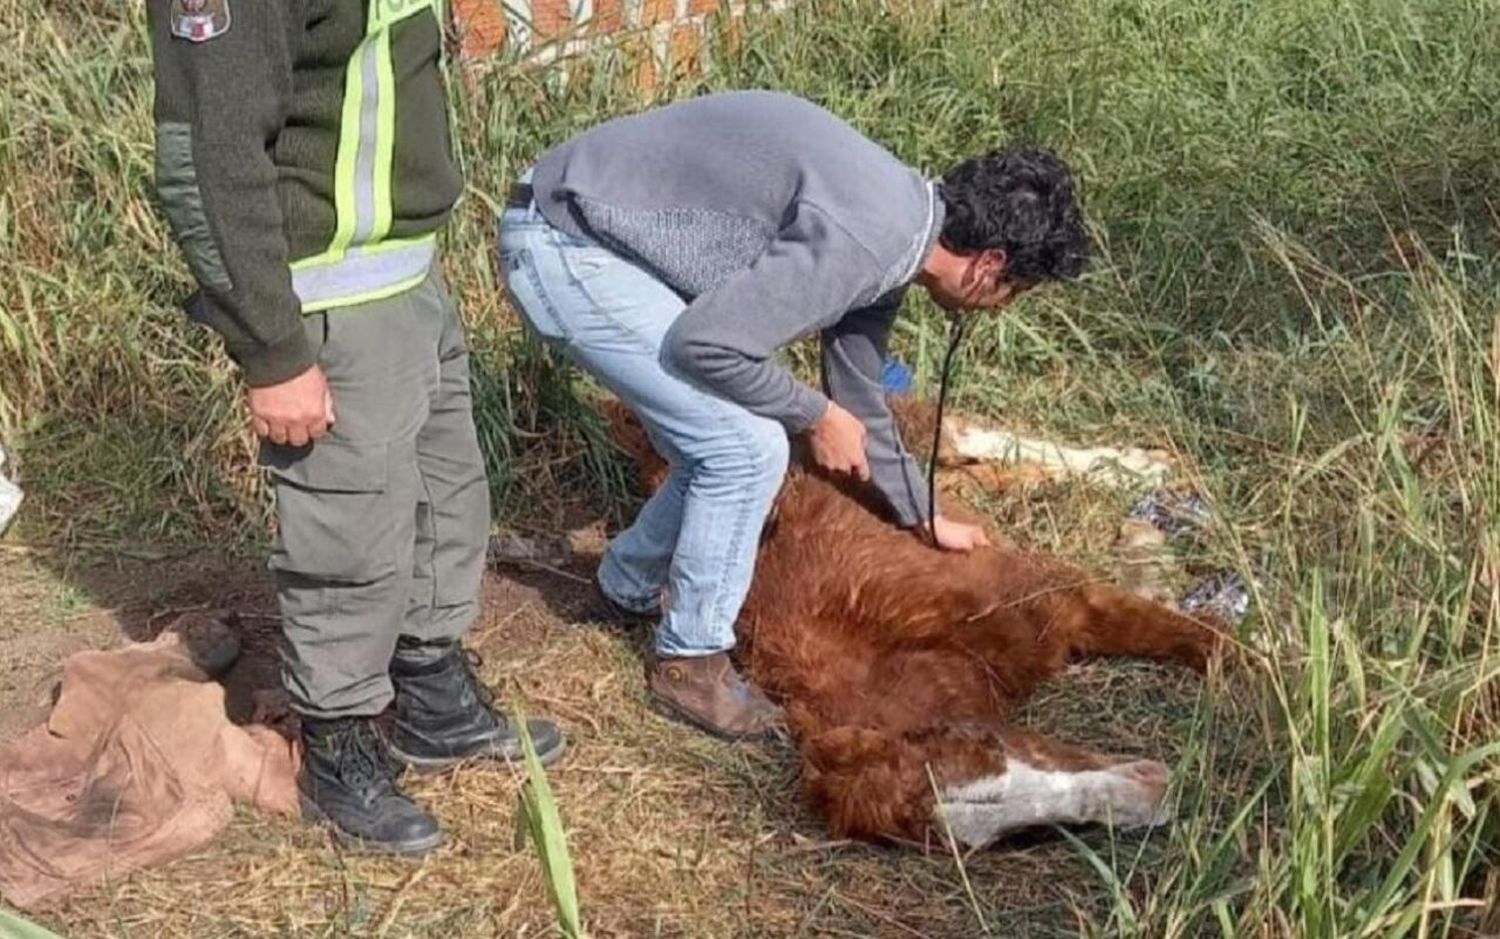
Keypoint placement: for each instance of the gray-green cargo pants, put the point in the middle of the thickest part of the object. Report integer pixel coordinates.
(383, 524)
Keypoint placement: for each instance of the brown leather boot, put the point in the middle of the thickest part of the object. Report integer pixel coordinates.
(710, 694)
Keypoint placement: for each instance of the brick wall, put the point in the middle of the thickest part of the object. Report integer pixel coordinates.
(668, 34)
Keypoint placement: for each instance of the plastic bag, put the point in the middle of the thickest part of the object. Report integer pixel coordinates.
(10, 493)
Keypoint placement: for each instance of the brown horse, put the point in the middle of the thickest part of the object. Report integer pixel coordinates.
(898, 664)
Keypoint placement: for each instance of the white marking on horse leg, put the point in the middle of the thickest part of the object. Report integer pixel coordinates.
(977, 443)
(1126, 795)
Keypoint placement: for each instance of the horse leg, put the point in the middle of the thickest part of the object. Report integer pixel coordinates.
(1047, 782)
(1104, 620)
(979, 784)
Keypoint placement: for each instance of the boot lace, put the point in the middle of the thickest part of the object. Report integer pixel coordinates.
(471, 662)
(362, 759)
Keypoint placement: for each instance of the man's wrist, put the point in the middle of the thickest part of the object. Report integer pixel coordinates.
(809, 408)
(277, 362)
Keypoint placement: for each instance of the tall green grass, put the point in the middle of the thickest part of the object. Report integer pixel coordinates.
(1296, 285)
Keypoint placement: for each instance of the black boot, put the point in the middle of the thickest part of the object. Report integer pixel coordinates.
(445, 715)
(348, 779)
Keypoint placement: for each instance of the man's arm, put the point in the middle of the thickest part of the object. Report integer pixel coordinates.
(807, 278)
(854, 352)
(220, 104)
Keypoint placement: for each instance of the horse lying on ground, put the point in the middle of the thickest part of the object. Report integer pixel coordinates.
(897, 665)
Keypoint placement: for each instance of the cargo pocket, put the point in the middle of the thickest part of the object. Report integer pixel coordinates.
(335, 519)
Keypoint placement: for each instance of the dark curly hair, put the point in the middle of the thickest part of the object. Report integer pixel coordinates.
(1020, 200)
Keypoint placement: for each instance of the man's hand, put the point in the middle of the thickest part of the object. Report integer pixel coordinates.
(838, 443)
(956, 536)
(295, 412)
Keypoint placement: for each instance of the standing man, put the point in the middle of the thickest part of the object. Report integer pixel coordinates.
(671, 254)
(304, 163)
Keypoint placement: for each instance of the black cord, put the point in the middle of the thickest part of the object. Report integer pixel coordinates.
(955, 336)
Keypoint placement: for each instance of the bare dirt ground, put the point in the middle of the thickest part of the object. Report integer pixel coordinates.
(672, 833)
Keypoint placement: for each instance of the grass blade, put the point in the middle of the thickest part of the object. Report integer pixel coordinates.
(539, 818)
(12, 926)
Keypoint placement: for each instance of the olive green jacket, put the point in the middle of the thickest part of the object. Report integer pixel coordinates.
(303, 162)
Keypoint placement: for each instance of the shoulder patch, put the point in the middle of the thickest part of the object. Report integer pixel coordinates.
(199, 20)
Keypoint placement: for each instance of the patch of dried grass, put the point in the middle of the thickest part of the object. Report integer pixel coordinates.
(672, 833)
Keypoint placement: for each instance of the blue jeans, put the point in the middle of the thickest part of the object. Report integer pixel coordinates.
(697, 536)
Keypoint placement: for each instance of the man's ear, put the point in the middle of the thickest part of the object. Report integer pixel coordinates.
(991, 265)
(981, 267)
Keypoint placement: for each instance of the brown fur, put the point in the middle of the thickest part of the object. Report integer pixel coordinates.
(892, 657)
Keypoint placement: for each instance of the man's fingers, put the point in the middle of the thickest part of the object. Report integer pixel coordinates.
(261, 428)
(291, 434)
(862, 470)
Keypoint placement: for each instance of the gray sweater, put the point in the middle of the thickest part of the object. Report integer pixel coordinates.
(773, 219)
